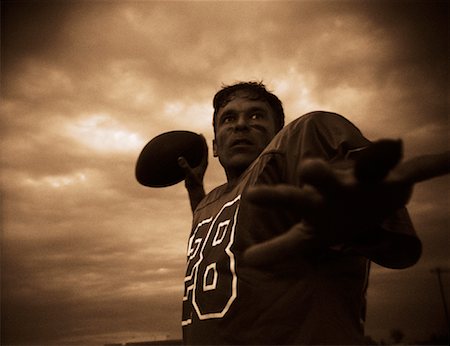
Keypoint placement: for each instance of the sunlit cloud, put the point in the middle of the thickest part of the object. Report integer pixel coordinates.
(104, 134)
(193, 116)
(127, 84)
(57, 181)
(295, 90)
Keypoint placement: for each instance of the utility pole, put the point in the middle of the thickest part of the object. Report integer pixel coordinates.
(438, 271)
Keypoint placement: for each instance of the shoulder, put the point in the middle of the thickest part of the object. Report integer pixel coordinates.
(323, 121)
(318, 134)
(314, 128)
(212, 196)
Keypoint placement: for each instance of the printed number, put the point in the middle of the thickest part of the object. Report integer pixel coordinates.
(211, 281)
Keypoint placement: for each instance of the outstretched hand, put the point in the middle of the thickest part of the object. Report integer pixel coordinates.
(194, 177)
(338, 204)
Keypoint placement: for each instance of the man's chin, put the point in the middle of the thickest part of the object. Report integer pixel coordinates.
(242, 161)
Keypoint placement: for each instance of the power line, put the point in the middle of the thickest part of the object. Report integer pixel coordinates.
(438, 271)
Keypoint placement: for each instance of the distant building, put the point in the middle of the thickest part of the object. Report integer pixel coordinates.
(156, 343)
(150, 343)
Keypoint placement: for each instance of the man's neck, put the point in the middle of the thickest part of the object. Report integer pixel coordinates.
(233, 177)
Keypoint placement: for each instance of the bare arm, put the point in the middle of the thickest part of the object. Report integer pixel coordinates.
(194, 178)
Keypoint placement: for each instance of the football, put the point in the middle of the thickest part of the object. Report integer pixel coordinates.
(157, 164)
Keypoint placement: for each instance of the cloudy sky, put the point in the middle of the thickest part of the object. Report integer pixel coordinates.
(88, 255)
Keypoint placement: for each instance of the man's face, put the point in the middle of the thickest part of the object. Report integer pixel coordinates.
(244, 127)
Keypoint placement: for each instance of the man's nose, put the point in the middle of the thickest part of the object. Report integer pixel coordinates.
(241, 122)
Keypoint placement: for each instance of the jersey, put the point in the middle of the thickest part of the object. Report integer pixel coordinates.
(318, 299)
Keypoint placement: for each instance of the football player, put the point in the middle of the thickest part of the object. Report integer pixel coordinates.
(280, 253)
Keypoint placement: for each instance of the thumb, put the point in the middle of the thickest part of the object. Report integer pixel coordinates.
(421, 168)
(191, 179)
(184, 165)
(281, 247)
(182, 162)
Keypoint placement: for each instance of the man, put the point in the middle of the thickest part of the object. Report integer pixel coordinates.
(280, 253)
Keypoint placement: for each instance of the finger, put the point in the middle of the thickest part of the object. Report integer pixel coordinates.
(377, 160)
(279, 248)
(306, 198)
(182, 162)
(321, 175)
(421, 168)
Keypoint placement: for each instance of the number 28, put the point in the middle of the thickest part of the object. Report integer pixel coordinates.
(211, 282)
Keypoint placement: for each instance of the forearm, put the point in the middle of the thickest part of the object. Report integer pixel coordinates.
(195, 195)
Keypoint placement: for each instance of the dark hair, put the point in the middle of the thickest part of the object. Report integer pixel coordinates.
(257, 91)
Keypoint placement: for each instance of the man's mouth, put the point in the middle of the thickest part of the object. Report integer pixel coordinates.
(241, 142)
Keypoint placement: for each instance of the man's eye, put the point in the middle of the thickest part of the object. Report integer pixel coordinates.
(255, 116)
(227, 119)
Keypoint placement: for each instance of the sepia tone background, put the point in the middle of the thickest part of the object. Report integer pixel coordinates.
(91, 257)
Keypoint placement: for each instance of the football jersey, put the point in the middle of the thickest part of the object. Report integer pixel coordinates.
(317, 299)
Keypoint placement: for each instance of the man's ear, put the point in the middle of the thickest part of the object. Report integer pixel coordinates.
(214, 145)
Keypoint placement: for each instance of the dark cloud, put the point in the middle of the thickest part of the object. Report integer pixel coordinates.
(30, 28)
(395, 295)
(59, 318)
(83, 278)
(390, 304)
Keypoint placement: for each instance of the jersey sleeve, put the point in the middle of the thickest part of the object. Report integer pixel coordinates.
(324, 135)
(394, 244)
(331, 137)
